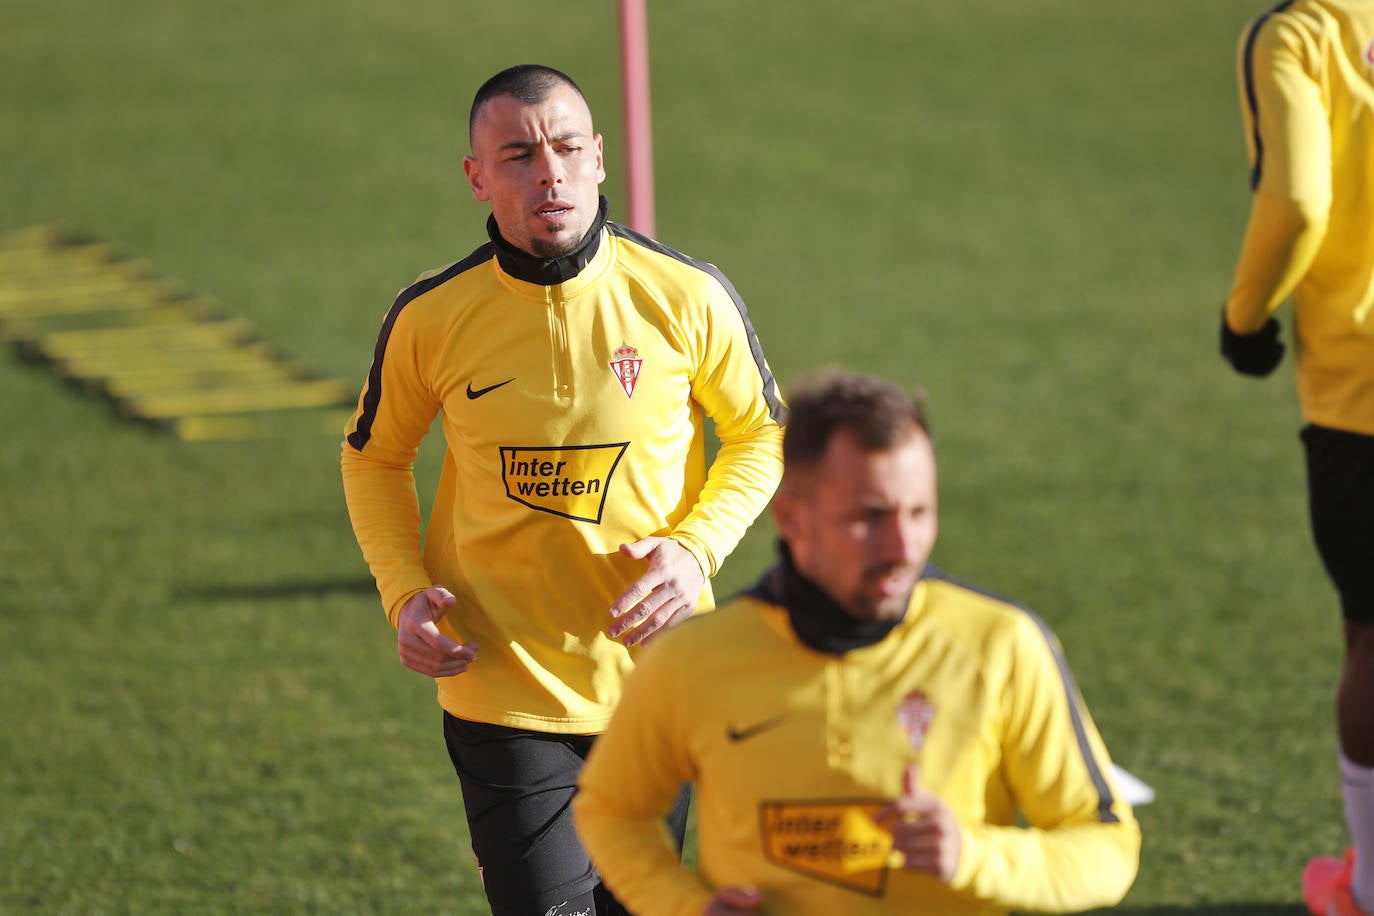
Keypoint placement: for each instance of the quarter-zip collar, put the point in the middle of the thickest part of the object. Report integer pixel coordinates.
(549, 271)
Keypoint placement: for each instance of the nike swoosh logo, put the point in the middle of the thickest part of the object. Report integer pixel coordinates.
(742, 734)
(477, 393)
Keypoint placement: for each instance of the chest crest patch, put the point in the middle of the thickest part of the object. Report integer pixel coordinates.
(914, 714)
(625, 366)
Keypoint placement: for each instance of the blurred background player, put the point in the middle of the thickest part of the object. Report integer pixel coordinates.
(573, 362)
(1307, 95)
(862, 730)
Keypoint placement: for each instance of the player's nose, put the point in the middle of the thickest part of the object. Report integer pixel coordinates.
(550, 167)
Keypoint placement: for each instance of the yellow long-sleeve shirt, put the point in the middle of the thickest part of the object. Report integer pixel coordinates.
(792, 749)
(1306, 73)
(572, 409)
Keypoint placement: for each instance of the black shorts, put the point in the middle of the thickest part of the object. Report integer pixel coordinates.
(1340, 493)
(517, 789)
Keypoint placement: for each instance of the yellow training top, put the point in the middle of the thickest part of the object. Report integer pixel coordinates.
(793, 748)
(1307, 97)
(572, 410)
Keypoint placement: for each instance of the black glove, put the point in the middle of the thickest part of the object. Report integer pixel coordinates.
(1252, 354)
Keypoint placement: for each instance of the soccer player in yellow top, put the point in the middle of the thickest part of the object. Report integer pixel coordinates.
(1306, 73)
(573, 363)
(862, 730)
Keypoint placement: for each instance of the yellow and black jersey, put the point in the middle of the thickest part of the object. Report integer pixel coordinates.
(1306, 74)
(573, 395)
(793, 748)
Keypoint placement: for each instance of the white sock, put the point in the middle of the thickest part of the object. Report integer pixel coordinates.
(1357, 786)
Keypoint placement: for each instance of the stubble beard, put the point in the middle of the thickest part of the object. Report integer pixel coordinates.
(884, 608)
(873, 606)
(556, 243)
(550, 248)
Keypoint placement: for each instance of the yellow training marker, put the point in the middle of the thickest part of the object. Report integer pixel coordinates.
(108, 324)
(262, 425)
(325, 393)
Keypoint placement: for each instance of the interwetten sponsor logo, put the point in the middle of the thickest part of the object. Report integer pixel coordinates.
(568, 480)
(835, 841)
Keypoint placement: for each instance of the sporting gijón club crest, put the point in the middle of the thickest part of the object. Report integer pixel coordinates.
(626, 365)
(916, 714)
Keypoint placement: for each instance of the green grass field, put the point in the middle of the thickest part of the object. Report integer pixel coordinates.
(1030, 209)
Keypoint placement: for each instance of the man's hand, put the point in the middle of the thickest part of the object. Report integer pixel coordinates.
(1254, 354)
(731, 900)
(662, 597)
(924, 829)
(421, 646)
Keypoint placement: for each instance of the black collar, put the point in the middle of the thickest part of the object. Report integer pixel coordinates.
(549, 271)
(819, 622)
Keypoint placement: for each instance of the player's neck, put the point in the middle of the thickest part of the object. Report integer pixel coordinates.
(522, 265)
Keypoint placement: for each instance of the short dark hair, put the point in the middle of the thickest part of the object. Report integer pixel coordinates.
(877, 414)
(530, 83)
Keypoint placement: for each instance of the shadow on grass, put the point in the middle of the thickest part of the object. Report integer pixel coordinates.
(263, 591)
(1215, 909)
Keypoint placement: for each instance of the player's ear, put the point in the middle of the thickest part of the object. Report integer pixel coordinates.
(472, 168)
(600, 162)
(785, 511)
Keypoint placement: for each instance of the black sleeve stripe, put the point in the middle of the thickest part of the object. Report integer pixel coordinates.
(1105, 800)
(770, 385)
(1104, 792)
(372, 396)
(1250, 99)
